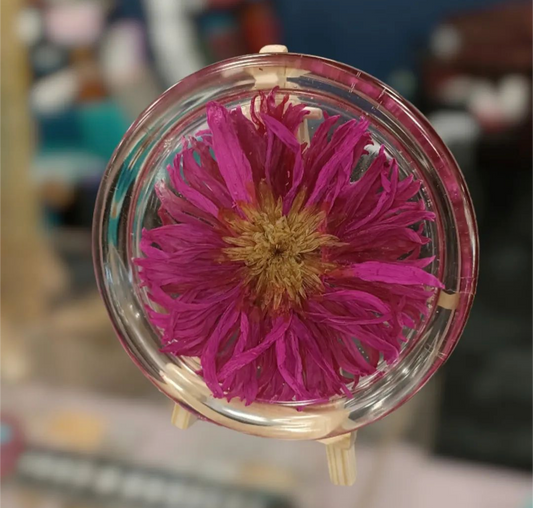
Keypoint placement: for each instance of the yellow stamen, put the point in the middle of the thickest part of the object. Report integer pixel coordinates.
(282, 254)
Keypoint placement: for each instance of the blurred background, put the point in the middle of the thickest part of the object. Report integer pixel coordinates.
(80, 425)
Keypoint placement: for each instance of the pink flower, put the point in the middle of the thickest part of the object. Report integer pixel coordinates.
(288, 280)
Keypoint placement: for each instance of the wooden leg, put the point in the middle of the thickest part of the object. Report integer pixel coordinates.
(182, 418)
(341, 459)
(274, 48)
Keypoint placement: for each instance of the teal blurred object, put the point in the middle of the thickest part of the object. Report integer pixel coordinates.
(75, 151)
(6, 433)
(102, 125)
(59, 131)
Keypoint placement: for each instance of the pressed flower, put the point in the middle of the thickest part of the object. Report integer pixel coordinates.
(288, 280)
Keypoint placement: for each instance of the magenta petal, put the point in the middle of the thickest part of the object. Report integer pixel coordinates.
(242, 341)
(298, 365)
(188, 192)
(224, 326)
(359, 193)
(316, 154)
(232, 162)
(281, 357)
(310, 343)
(278, 330)
(362, 297)
(180, 209)
(420, 263)
(393, 273)
(202, 303)
(281, 132)
(288, 139)
(204, 182)
(252, 143)
(351, 134)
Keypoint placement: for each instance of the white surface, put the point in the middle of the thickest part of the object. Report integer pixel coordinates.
(446, 42)
(55, 92)
(173, 39)
(399, 477)
(122, 53)
(455, 126)
(30, 26)
(514, 93)
(74, 24)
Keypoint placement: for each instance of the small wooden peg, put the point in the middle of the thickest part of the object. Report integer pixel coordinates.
(448, 301)
(341, 459)
(274, 48)
(269, 77)
(181, 418)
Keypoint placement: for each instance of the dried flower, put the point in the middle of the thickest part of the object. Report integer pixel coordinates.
(288, 280)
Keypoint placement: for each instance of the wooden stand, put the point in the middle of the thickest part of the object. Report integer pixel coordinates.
(340, 450)
(342, 463)
(181, 418)
(23, 297)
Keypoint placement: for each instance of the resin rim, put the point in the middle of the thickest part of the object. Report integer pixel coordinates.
(174, 377)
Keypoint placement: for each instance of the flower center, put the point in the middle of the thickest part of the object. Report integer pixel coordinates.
(283, 254)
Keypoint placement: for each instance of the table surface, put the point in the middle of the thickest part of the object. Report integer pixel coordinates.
(139, 431)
